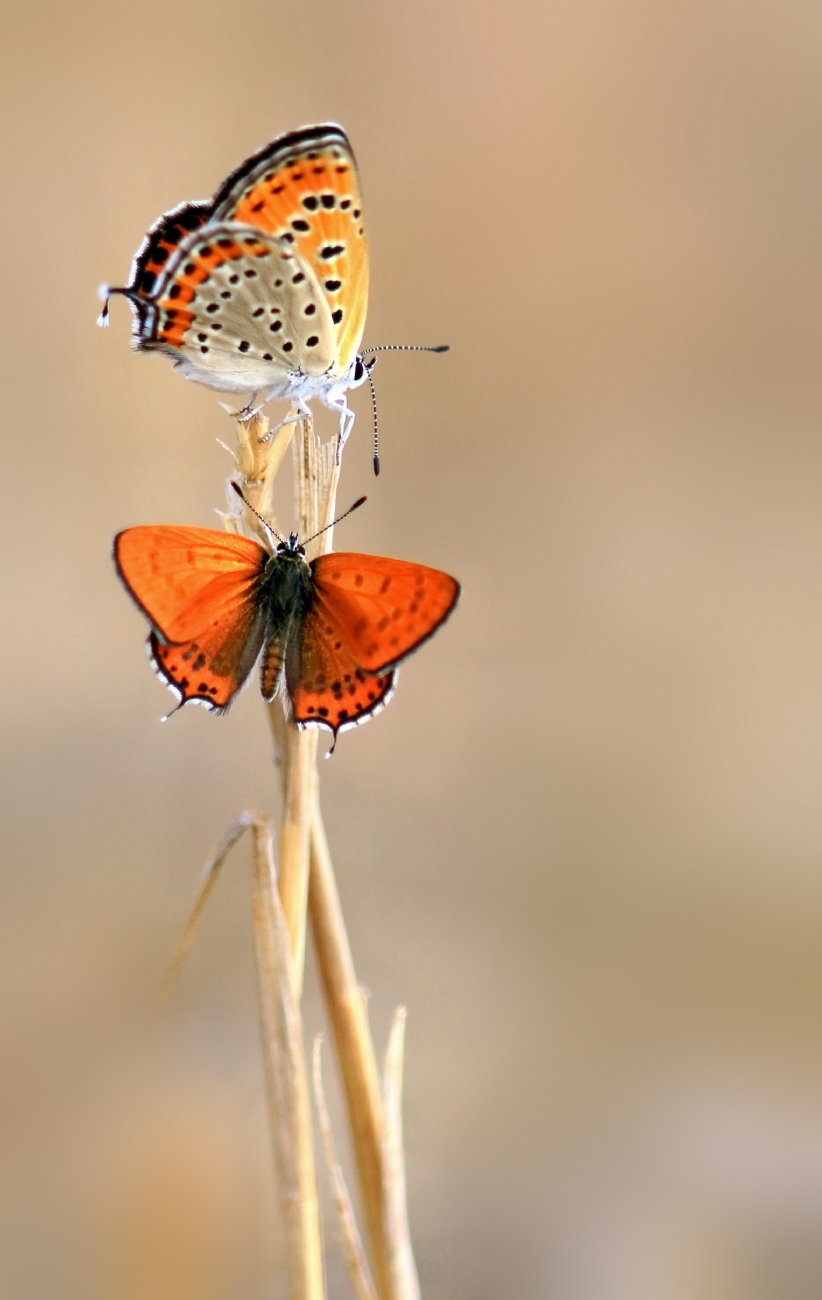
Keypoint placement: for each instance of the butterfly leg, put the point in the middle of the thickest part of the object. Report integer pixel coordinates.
(347, 417)
(248, 411)
(252, 406)
(303, 412)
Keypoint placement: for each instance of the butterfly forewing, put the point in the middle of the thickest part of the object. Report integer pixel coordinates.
(188, 579)
(384, 608)
(304, 190)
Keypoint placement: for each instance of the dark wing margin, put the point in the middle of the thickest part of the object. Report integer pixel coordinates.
(272, 156)
(162, 238)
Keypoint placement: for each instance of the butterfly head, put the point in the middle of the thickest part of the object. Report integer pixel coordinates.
(291, 549)
(359, 371)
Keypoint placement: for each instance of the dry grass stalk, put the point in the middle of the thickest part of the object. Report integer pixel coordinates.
(307, 885)
(208, 880)
(358, 1269)
(404, 1281)
(258, 457)
(286, 1076)
(299, 798)
(316, 475)
(281, 1026)
(348, 1014)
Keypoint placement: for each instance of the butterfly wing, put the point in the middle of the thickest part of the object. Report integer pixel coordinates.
(368, 614)
(150, 260)
(326, 686)
(304, 189)
(199, 589)
(386, 608)
(238, 311)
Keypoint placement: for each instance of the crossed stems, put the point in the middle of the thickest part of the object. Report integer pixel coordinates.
(305, 892)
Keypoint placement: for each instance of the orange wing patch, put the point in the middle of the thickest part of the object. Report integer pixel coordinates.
(186, 580)
(384, 609)
(304, 189)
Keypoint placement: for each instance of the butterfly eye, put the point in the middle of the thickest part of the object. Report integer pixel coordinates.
(359, 371)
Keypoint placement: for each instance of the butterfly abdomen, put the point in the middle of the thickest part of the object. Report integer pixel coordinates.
(271, 668)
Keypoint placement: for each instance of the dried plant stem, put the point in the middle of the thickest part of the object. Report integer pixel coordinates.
(316, 467)
(317, 474)
(355, 1050)
(258, 458)
(299, 801)
(404, 1281)
(307, 889)
(285, 1071)
(358, 1269)
(208, 880)
(286, 1078)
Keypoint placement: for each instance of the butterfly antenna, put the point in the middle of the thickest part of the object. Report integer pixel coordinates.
(266, 525)
(408, 347)
(107, 291)
(376, 437)
(338, 520)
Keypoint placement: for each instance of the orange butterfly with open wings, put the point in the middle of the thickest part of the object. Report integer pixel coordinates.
(329, 633)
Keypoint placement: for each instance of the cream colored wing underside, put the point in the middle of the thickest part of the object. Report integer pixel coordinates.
(235, 302)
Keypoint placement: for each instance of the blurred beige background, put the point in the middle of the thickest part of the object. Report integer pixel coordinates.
(583, 845)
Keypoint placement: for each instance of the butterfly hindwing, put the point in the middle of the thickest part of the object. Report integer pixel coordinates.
(326, 686)
(304, 189)
(211, 668)
(384, 608)
(238, 310)
(162, 238)
(151, 258)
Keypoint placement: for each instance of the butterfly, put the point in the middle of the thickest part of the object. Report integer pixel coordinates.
(328, 633)
(264, 287)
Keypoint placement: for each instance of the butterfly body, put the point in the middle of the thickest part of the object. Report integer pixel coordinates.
(328, 633)
(264, 287)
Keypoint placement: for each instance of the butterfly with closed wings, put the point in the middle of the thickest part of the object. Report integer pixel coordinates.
(264, 288)
(329, 633)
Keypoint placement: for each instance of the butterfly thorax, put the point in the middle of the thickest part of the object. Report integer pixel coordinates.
(286, 588)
